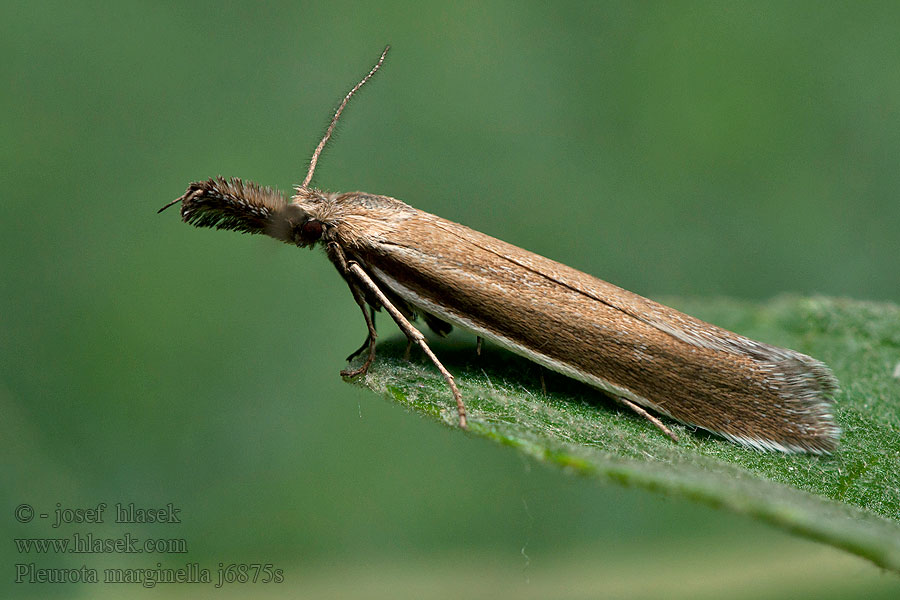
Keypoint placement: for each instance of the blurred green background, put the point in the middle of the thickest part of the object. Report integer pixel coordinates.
(676, 149)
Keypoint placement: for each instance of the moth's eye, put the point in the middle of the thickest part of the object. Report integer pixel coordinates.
(311, 230)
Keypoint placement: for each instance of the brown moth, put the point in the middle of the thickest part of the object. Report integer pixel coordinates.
(410, 262)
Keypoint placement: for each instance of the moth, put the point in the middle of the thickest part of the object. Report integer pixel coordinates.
(646, 355)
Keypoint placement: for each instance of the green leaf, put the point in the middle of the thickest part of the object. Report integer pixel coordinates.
(850, 499)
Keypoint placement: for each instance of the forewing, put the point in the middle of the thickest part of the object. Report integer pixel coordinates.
(750, 392)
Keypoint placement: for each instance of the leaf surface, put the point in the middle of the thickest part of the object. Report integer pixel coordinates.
(850, 499)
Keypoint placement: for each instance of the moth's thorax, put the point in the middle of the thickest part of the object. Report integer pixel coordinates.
(349, 218)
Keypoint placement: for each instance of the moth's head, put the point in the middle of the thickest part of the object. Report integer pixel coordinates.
(247, 208)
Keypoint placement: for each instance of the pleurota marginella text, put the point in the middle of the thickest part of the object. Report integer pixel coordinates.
(411, 263)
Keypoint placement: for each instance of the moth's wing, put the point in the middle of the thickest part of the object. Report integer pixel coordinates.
(747, 391)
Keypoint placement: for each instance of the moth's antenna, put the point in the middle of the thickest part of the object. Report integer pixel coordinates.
(337, 114)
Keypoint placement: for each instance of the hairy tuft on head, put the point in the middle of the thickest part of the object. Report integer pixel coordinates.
(229, 204)
(241, 206)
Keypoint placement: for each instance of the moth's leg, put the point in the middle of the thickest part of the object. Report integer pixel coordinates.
(412, 334)
(370, 340)
(367, 341)
(478, 341)
(648, 416)
(337, 257)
